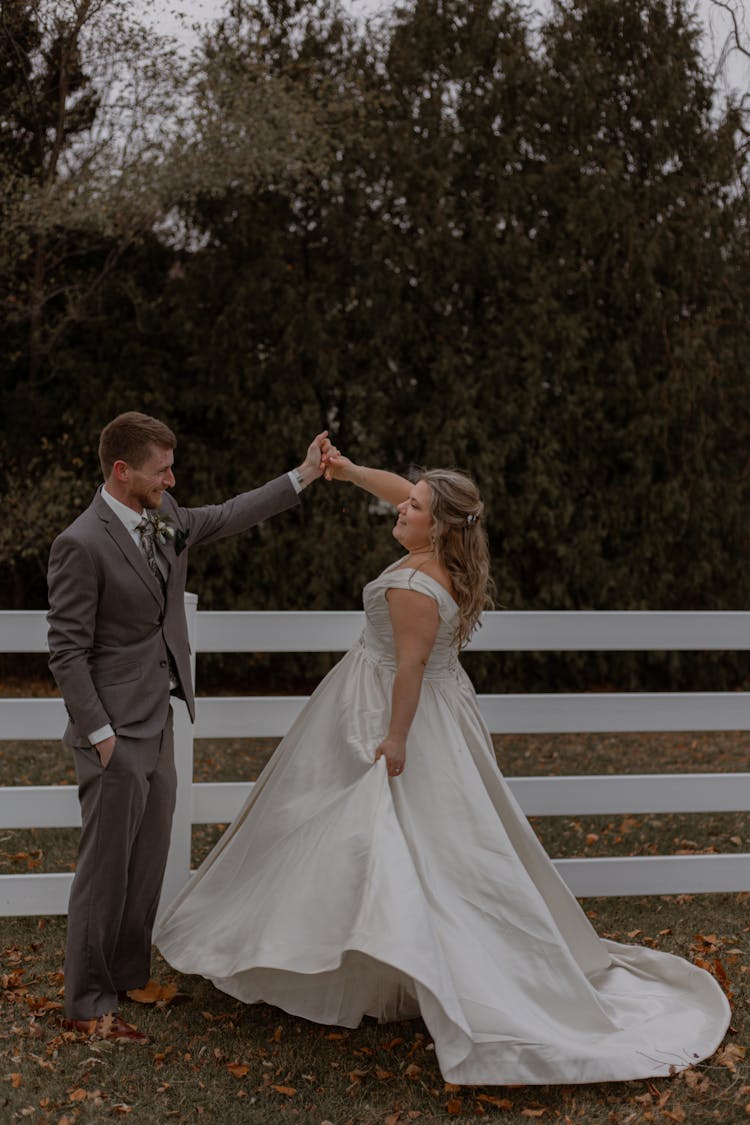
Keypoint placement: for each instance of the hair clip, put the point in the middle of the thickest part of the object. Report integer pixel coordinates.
(471, 518)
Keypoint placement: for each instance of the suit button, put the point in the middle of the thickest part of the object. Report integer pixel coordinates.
(162, 663)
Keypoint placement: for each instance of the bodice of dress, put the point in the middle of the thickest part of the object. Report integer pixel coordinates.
(377, 636)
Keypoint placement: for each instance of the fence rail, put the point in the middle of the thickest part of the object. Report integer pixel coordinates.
(271, 716)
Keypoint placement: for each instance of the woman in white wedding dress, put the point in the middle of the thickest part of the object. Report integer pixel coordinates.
(382, 867)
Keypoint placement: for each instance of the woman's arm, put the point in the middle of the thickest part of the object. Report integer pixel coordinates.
(386, 486)
(415, 621)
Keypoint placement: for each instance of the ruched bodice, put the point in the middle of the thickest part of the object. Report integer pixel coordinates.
(377, 636)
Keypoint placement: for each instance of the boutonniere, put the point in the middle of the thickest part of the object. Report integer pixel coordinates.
(180, 541)
(163, 531)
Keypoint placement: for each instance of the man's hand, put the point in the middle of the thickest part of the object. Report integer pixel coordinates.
(106, 749)
(313, 465)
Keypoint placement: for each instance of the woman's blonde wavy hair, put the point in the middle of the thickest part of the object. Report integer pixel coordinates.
(460, 544)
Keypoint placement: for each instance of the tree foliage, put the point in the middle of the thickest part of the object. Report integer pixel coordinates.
(449, 237)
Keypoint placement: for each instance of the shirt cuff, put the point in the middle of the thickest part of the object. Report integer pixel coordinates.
(101, 734)
(296, 478)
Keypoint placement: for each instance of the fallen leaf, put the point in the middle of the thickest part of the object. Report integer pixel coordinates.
(287, 1091)
(676, 1113)
(729, 1056)
(382, 1074)
(695, 1080)
(152, 993)
(453, 1106)
(533, 1112)
(499, 1103)
(413, 1070)
(239, 1070)
(77, 1095)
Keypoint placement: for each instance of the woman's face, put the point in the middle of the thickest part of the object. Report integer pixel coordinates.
(414, 522)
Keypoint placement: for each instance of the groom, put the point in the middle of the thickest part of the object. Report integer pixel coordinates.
(118, 649)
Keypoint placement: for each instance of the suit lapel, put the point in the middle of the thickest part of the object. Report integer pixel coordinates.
(120, 535)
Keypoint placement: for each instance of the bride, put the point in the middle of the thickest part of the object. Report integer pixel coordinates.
(382, 867)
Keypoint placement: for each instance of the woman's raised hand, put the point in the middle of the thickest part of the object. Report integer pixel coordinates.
(336, 466)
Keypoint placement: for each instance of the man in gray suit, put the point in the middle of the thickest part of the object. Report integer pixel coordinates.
(118, 648)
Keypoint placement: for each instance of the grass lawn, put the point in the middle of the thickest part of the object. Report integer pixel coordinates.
(220, 1061)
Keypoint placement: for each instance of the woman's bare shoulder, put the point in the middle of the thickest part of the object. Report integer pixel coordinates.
(437, 572)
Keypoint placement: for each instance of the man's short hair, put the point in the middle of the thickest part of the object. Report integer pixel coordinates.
(129, 437)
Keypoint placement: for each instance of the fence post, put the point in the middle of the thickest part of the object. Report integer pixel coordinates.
(178, 863)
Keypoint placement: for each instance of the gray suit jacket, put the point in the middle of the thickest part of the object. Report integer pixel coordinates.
(110, 624)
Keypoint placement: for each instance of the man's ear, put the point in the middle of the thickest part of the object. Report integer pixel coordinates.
(120, 471)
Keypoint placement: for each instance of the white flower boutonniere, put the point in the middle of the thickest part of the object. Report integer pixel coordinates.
(164, 532)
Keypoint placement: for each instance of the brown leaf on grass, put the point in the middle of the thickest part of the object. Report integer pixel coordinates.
(383, 1074)
(287, 1091)
(393, 1043)
(451, 1088)
(533, 1112)
(393, 1118)
(77, 1095)
(31, 859)
(43, 1004)
(13, 982)
(676, 1113)
(276, 1037)
(453, 1106)
(498, 1103)
(15, 1080)
(729, 1056)
(153, 993)
(695, 1080)
(238, 1070)
(413, 1070)
(120, 1107)
(335, 1035)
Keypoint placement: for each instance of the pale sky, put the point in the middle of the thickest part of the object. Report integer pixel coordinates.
(180, 17)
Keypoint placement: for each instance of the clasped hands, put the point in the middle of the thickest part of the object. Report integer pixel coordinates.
(324, 459)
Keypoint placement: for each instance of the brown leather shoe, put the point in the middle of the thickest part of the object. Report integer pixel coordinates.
(109, 1027)
(154, 993)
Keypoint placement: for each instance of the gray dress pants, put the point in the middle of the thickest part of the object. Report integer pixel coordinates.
(126, 810)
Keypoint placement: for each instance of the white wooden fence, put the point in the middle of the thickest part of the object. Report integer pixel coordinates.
(253, 716)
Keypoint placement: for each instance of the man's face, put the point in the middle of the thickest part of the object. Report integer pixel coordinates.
(147, 484)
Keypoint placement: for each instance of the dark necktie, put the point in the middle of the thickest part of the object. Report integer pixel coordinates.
(147, 531)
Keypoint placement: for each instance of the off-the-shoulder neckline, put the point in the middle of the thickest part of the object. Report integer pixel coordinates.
(414, 570)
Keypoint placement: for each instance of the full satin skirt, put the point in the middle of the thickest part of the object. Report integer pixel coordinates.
(338, 893)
